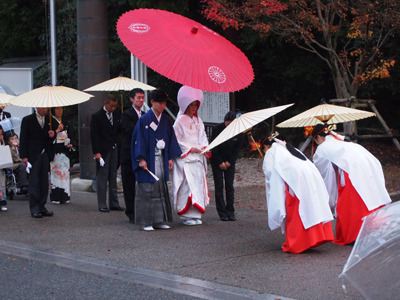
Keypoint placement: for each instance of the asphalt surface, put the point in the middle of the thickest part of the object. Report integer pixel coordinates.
(80, 253)
(31, 279)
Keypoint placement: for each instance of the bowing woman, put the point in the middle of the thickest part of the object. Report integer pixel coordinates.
(297, 199)
(354, 179)
(60, 166)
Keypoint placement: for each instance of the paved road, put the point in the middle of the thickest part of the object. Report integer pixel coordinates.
(81, 253)
(30, 279)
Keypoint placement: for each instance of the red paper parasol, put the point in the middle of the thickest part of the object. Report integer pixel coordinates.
(185, 51)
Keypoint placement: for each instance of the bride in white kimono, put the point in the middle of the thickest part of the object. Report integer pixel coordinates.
(189, 183)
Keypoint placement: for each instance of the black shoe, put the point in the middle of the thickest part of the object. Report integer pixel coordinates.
(224, 219)
(23, 190)
(232, 218)
(104, 209)
(47, 214)
(118, 208)
(37, 215)
(132, 221)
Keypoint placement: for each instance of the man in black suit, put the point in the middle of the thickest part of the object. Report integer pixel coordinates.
(36, 148)
(105, 129)
(128, 122)
(4, 114)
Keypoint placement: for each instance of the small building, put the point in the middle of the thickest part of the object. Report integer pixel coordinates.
(17, 73)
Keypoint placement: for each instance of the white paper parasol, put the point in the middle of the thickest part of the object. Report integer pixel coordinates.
(5, 99)
(245, 122)
(121, 84)
(326, 114)
(51, 96)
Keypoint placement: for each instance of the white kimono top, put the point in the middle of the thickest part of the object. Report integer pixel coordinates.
(364, 169)
(190, 133)
(281, 168)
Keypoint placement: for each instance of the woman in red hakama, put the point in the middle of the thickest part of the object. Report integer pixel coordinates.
(350, 210)
(299, 239)
(297, 198)
(353, 177)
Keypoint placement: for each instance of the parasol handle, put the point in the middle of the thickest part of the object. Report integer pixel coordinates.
(247, 130)
(122, 102)
(258, 148)
(50, 118)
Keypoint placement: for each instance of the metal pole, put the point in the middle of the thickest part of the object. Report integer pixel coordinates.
(53, 43)
(139, 73)
(132, 66)
(143, 77)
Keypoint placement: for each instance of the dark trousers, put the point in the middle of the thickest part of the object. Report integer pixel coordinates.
(107, 174)
(224, 209)
(39, 184)
(128, 185)
(20, 171)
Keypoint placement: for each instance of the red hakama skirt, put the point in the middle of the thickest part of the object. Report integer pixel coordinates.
(299, 239)
(350, 210)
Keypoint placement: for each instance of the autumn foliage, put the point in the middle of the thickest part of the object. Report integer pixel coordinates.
(349, 36)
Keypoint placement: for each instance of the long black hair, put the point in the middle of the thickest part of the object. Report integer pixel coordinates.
(295, 152)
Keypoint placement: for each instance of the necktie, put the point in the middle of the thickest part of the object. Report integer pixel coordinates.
(41, 121)
(110, 117)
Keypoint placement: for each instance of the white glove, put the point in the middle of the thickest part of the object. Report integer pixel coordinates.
(101, 161)
(28, 167)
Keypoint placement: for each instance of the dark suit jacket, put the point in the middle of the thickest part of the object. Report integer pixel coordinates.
(103, 135)
(34, 138)
(128, 122)
(6, 115)
(228, 150)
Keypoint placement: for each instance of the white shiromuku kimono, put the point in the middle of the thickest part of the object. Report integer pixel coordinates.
(364, 170)
(303, 180)
(189, 183)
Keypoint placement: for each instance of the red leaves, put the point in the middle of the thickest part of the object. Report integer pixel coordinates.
(362, 27)
(249, 13)
(255, 146)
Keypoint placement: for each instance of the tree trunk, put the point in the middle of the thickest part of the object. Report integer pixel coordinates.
(344, 89)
